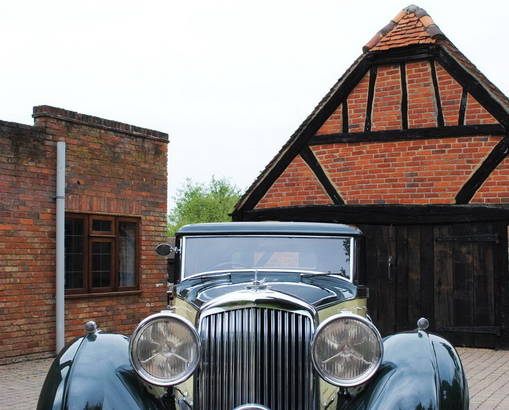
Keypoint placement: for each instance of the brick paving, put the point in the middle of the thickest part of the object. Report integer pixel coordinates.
(488, 377)
(20, 384)
(487, 372)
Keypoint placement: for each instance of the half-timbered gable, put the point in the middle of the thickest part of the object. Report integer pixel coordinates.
(411, 145)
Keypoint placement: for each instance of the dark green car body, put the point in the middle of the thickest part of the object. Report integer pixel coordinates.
(418, 370)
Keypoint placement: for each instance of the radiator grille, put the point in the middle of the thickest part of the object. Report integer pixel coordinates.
(255, 355)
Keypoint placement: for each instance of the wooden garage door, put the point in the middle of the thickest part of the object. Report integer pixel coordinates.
(455, 275)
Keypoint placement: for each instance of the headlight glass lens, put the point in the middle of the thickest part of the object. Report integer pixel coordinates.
(165, 349)
(347, 350)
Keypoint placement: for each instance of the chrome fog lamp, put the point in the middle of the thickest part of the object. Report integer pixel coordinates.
(346, 350)
(164, 349)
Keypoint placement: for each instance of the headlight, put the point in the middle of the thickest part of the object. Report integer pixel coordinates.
(164, 349)
(346, 350)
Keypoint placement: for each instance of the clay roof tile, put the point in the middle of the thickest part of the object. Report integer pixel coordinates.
(426, 20)
(412, 24)
(400, 15)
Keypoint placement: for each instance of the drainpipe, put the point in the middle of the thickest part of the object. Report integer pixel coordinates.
(60, 255)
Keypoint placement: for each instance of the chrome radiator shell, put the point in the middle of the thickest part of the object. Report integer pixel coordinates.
(255, 353)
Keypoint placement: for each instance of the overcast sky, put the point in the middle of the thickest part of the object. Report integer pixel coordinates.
(228, 80)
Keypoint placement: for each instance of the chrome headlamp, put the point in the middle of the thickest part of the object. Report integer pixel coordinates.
(164, 349)
(346, 350)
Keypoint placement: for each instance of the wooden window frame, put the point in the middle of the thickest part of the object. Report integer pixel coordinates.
(111, 219)
(89, 237)
(111, 288)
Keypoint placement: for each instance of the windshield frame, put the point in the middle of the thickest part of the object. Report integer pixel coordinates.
(353, 255)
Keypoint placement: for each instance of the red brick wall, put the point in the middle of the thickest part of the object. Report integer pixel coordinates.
(112, 168)
(27, 240)
(421, 95)
(477, 114)
(422, 107)
(403, 172)
(334, 123)
(495, 189)
(357, 103)
(296, 186)
(386, 113)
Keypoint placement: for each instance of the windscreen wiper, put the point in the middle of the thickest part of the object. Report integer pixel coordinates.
(209, 276)
(312, 275)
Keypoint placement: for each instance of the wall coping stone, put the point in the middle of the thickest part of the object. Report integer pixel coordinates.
(47, 111)
(21, 127)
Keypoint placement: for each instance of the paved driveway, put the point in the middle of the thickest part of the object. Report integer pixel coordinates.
(20, 384)
(488, 377)
(487, 373)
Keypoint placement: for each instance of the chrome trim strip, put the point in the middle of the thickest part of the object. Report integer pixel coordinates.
(246, 235)
(226, 272)
(257, 298)
(353, 255)
(182, 258)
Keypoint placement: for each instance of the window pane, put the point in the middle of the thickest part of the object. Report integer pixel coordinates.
(74, 248)
(127, 254)
(101, 225)
(101, 264)
(316, 254)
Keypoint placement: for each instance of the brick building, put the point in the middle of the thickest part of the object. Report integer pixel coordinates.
(411, 145)
(116, 187)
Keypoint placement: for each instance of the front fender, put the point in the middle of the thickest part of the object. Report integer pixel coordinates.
(419, 371)
(94, 372)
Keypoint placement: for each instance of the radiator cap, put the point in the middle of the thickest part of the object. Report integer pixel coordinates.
(422, 323)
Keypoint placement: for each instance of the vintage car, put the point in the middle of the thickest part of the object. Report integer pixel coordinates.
(265, 315)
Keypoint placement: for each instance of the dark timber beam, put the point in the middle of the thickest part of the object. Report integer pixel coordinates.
(495, 157)
(317, 169)
(463, 107)
(371, 95)
(403, 54)
(410, 134)
(380, 214)
(345, 115)
(438, 101)
(404, 97)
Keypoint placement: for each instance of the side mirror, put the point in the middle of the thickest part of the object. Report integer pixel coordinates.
(165, 249)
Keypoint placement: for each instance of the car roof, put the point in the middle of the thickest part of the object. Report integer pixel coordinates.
(294, 228)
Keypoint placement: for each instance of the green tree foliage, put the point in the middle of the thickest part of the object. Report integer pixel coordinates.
(199, 202)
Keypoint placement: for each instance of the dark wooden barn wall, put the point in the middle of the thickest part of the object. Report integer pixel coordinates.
(455, 275)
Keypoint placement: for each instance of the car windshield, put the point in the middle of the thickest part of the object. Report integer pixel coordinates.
(302, 253)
